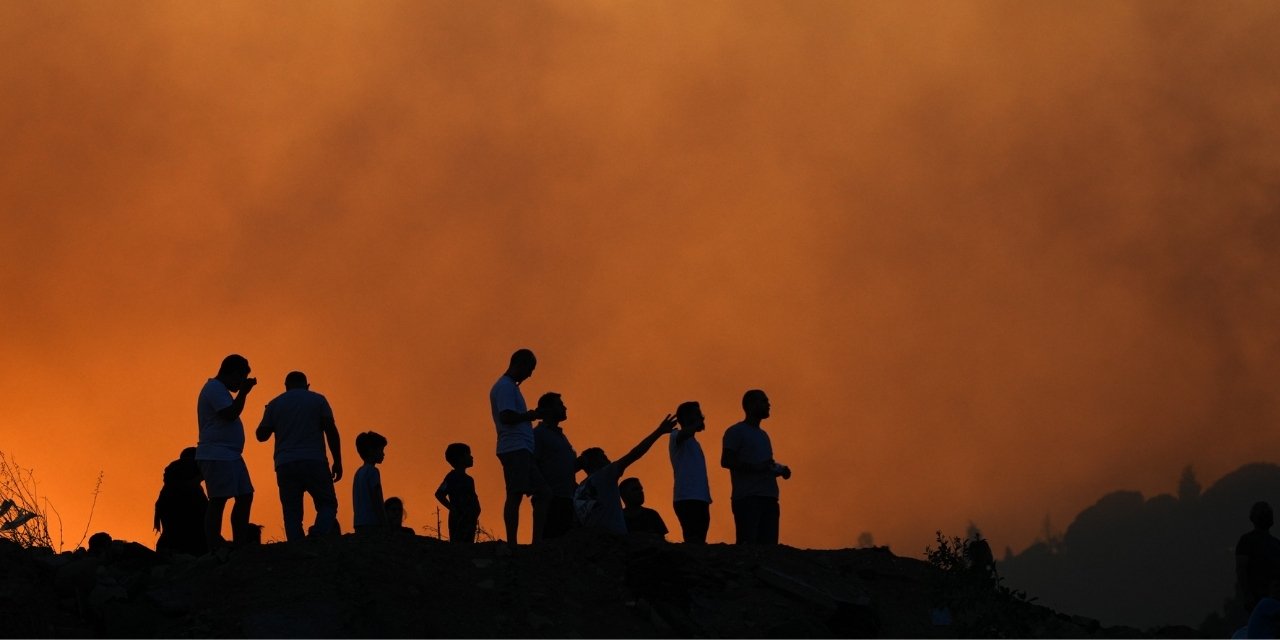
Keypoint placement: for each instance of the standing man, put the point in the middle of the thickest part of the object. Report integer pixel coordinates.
(557, 462)
(302, 421)
(515, 446)
(691, 494)
(220, 449)
(748, 455)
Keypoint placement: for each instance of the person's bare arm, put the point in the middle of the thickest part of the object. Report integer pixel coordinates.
(668, 423)
(237, 403)
(266, 427)
(442, 495)
(335, 446)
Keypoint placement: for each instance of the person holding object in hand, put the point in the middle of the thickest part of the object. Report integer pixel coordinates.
(753, 473)
(513, 421)
(221, 447)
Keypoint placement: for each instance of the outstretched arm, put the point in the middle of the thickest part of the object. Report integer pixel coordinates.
(668, 423)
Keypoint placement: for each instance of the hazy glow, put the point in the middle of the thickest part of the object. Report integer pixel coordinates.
(989, 259)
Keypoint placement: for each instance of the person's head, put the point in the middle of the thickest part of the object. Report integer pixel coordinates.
(755, 404)
(233, 371)
(593, 460)
(1261, 516)
(551, 408)
(689, 415)
(188, 454)
(522, 365)
(395, 511)
(371, 447)
(458, 455)
(296, 380)
(632, 492)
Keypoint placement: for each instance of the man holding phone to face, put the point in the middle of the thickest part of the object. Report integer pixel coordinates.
(221, 447)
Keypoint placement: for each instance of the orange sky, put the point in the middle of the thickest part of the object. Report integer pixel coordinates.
(989, 259)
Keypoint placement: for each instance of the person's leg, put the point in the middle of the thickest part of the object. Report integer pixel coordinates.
(291, 484)
(323, 496)
(213, 523)
(240, 517)
(541, 501)
(700, 521)
(770, 513)
(746, 520)
(685, 514)
(511, 515)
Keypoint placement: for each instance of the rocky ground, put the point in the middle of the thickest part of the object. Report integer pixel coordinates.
(583, 586)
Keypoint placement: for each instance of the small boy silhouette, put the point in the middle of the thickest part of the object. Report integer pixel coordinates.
(639, 518)
(366, 491)
(458, 494)
(395, 516)
(181, 506)
(602, 480)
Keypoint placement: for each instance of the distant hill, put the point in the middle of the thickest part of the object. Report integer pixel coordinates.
(1144, 562)
(583, 586)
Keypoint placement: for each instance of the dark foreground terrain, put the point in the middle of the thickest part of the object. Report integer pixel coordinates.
(583, 586)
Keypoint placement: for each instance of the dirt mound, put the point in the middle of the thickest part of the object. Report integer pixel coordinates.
(585, 585)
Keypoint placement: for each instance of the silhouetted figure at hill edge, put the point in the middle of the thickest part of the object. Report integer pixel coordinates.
(597, 501)
(395, 516)
(181, 507)
(557, 462)
(1257, 557)
(302, 421)
(512, 419)
(366, 491)
(748, 455)
(458, 494)
(639, 518)
(220, 449)
(691, 493)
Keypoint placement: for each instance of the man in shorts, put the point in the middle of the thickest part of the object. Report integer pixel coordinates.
(513, 420)
(219, 452)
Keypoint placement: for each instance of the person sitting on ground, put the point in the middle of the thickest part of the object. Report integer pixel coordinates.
(597, 501)
(1257, 557)
(396, 515)
(366, 491)
(180, 508)
(458, 494)
(640, 519)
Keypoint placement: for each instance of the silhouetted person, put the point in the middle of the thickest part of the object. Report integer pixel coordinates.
(366, 490)
(601, 484)
(557, 462)
(1257, 557)
(395, 516)
(181, 507)
(748, 455)
(639, 518)
(458, 494)
(512, 419)
(219, 452)
(691, 495)
(302, 421)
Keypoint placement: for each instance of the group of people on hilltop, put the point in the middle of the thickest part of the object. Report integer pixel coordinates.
(538, 462)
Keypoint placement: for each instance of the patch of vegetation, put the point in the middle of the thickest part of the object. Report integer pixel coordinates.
(970, 594)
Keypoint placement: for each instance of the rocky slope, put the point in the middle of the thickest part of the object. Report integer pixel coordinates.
(583, 586)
